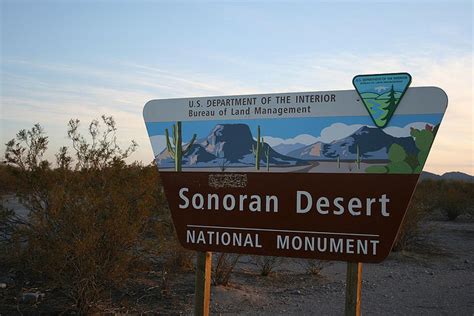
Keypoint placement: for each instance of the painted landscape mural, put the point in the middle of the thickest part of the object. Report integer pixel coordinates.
(326, 145)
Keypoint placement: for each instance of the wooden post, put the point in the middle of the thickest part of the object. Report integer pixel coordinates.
(202, 290)
(353, 288)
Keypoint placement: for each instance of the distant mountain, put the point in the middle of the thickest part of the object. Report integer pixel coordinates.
(286, 148)
(458, 176)
(229, 144)
(373, 144)
(425, 175)
(310, 152)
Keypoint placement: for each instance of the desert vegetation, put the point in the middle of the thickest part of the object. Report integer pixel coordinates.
(97, 234)
(89, 214)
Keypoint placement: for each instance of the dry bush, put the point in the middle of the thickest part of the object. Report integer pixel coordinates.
(452, 197)
(420, 205)
(7, 179)
(267, 264)
(178, 258)
(89, 217)
(223, 267)
(314, 266)
(455, 198)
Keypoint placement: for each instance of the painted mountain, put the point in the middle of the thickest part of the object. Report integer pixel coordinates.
(229, 145)
(372, 143)
(286, 148)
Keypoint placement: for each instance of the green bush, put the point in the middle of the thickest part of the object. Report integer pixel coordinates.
(376, 169)
(397, 156)
(396, 153)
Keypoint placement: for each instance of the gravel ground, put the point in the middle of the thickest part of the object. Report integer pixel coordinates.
(436, 277)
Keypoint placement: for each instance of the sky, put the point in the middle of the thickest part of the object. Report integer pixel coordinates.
(81, 59)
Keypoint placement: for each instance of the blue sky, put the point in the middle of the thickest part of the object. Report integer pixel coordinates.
(81, 59)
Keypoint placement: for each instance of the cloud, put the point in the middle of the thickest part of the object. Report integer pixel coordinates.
(337, 131)
(304, 139)
(53, 93)
(404, 131)
(331, 133)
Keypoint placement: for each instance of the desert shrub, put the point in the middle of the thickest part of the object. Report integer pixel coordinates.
(314, 266)
(455, 198)
(177, 258)
(223, 267)
(89, 217)
(267, 264)
(420, 205)
(7, 179)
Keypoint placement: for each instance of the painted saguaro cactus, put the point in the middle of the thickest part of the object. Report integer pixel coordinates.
(267, 156)
(257, 149)
(175, 148)
(358, 157)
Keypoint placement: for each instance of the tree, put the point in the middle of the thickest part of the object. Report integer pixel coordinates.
(392, 102)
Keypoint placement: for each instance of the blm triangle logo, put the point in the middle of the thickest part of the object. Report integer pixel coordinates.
(381, 94)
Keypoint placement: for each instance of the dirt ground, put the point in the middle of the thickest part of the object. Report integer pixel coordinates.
(434, 277)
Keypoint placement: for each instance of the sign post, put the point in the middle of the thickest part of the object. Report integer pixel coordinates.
(324, 175)
(353, 288)
(202, 291)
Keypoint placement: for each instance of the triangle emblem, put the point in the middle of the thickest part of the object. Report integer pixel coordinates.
(381, 94)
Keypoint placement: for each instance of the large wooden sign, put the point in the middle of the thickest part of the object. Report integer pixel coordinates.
(294, 174)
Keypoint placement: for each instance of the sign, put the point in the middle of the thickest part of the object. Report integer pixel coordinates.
(293, 174)
(381, 94)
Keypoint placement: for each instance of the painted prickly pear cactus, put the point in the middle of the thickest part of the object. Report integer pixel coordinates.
(400, 161)
(175, 147)
(423, 141)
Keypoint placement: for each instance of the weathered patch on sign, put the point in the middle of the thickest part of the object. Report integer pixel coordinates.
(228, 180)
(298, 174)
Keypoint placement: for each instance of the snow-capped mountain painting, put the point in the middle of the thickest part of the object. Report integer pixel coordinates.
(372, 142)
(319, 144)
(227, 145)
